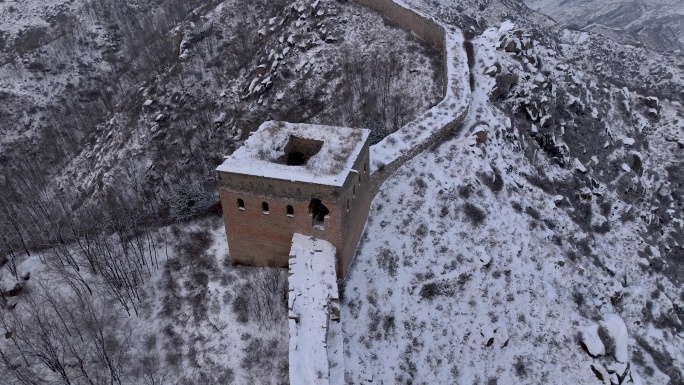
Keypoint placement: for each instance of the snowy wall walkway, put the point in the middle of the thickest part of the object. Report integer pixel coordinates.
(315, 352)
(433, 125)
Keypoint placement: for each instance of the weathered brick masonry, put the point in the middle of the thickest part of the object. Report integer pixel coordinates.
(260, 238)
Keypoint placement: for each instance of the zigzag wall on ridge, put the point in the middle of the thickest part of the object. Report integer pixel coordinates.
(429, 30)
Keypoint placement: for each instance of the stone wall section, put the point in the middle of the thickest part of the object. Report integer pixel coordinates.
(316, 343)
(381, 176)
(431, 31)
(357, 192)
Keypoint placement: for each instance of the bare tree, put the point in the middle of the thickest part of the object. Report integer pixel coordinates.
(66, 336)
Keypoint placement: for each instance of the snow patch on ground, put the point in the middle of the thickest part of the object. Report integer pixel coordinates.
(592, 341)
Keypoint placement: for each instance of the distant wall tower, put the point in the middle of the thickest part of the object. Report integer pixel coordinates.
(295, 178)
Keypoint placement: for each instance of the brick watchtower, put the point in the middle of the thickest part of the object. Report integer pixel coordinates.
(295, 178)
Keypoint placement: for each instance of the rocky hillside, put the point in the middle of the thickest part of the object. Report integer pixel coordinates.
(657, 25)
(115, 115)
(503, 254)
(147, 106)
(541, 242)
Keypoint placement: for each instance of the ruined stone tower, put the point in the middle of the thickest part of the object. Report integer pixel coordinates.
(295, 178)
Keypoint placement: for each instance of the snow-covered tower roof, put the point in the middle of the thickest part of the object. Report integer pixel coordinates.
(299, 152)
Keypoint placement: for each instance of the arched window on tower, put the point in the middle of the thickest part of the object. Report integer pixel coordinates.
(264, 207)
(241, 204)
(290, 211)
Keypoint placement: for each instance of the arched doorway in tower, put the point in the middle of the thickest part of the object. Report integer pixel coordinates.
(318, 213)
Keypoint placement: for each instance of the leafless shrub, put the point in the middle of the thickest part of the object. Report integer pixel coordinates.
(171, 294)
(381, 166)
(388, 325)
(261, 298)
(419, 186)
(195, 244)
(669, 321)
(54, 329)
(474, 214)
(494, 182)
(374, 318)
(520, 366)
(663, 360)
(534, 213)
(173, 358)
(434, 289)
(354, 307)
(465, 191)
(517, 207)
(429, 290)
(388, 261)
(603, 228)
(464, 278)
(262, 358)
(421, 231)
(189, 201)
(241, 307)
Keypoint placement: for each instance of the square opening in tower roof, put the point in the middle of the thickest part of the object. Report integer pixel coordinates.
(298, 152)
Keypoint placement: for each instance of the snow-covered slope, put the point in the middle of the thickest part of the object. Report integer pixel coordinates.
(656, 24)
(549, 224)
(100, 101)
(485, 259)
(196, 319)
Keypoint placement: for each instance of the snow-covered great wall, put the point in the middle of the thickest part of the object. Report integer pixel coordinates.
(315, 353)
(435, 123)
(315, 348)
